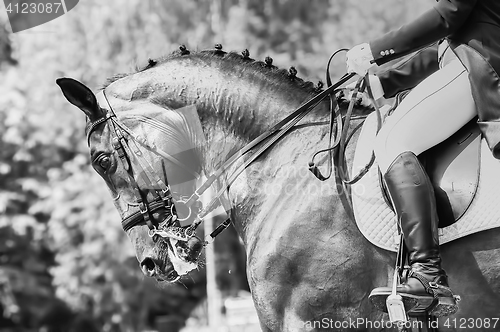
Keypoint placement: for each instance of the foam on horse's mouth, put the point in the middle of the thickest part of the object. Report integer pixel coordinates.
(181, 266)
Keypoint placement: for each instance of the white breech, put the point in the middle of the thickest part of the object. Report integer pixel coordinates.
(433, 111)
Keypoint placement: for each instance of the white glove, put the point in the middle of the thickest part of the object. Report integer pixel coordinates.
(375, 85)
(358, 59)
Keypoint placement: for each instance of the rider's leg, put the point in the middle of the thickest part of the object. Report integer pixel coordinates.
(432, 112)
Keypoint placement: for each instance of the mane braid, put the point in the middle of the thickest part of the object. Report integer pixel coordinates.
(232, 58)
(271, 71)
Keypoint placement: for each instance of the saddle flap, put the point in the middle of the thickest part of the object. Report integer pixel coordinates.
(453, 167)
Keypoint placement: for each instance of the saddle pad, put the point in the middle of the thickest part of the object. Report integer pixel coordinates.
(377, 222)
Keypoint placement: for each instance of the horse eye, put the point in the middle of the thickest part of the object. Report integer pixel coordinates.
(104, 162)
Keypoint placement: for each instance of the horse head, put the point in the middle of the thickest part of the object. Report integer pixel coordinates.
(135, 146)
(152, 132)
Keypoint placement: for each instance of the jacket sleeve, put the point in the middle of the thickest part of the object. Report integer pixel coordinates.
(446, 17)
(409, 72)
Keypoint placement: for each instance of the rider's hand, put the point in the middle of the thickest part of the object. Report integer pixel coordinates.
(375, 85)
(359, 59)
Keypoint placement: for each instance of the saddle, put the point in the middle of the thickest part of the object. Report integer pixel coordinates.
(465, 179)
(454, 168)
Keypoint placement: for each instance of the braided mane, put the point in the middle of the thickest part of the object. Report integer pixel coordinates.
(240, 64)
(230, 60)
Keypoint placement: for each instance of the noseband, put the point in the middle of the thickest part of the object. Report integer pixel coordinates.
(125, 142)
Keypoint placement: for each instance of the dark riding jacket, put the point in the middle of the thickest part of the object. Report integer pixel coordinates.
(472, 28)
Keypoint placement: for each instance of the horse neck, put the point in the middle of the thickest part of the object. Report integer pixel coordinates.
(235, 101)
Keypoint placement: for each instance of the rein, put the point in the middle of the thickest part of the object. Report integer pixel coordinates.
(342, 137)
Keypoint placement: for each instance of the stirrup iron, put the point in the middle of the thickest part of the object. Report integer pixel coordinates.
(395, 305)
(394, 302)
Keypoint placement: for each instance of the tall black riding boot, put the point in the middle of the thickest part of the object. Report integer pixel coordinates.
(412, 195)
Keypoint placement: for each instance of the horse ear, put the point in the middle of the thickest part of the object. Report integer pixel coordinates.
(80, 96)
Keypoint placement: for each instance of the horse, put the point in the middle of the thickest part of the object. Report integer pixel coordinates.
(308, 266)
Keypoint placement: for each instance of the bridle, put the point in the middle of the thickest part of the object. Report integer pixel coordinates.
(125, 142)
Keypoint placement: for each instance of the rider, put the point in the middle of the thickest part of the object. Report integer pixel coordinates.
(454, 78)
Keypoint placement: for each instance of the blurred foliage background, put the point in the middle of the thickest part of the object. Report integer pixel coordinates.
(65, 263)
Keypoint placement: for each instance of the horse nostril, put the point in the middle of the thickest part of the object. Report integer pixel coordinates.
(148, 267)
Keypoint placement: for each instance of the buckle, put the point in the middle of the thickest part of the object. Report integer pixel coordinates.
(143, 208)
(433, 284)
